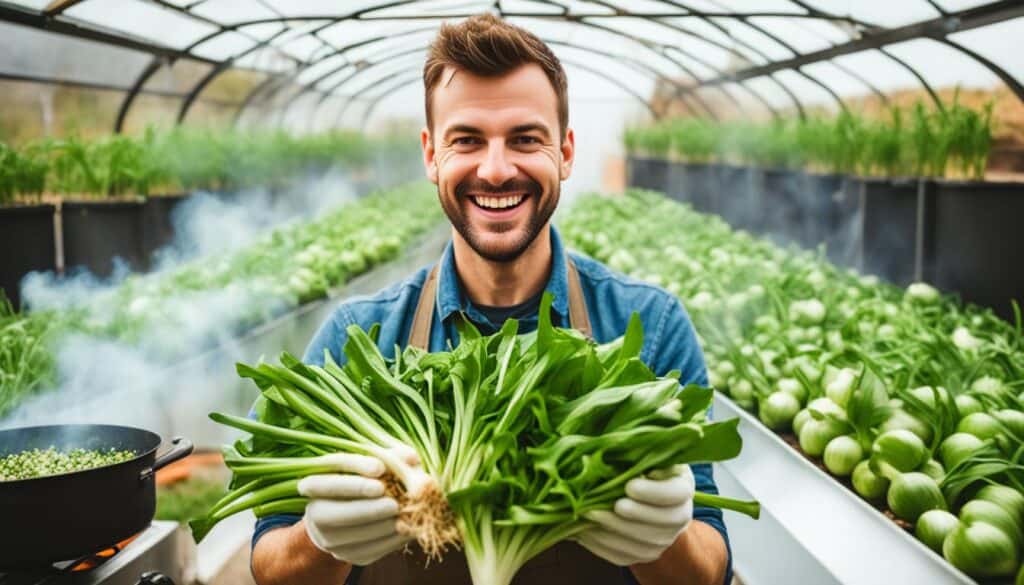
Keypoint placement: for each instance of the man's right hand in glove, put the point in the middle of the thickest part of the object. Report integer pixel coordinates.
(348, 516)
(348, 519)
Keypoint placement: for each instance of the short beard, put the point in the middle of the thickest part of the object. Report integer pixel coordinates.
(535, 224)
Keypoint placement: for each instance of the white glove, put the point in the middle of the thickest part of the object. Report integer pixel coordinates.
(649, 519)
(348, 515)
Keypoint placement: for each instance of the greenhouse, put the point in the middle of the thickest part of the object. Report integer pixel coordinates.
(511, 291)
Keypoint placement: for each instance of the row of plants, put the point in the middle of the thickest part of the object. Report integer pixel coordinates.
(26, 359)
(909, 397)
(917, 141)
(179, 160)
(155, 312)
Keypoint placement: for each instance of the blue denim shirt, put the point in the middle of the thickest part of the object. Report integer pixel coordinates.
(669, 339)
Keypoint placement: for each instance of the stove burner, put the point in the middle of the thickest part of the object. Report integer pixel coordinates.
(91, 561)
(146, 558)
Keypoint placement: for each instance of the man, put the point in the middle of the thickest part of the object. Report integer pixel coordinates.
(498, 145)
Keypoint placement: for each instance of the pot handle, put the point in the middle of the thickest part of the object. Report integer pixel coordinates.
(181, 447)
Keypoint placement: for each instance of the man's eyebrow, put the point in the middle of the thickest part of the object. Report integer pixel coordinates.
(462, 129)
(531, 127)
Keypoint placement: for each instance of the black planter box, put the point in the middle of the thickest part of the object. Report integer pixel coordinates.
(26, 244)
(818, 212)
(785, 203)
(96, 232)
(697, 184)
(973, 242)
(842, 238)
(740, 197)
(158, 227)
(647, 173)
(889, 232)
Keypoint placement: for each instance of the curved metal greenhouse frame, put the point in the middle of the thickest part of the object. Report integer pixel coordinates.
(762, 54)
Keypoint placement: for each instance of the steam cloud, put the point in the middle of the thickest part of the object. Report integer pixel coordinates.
(167, 378)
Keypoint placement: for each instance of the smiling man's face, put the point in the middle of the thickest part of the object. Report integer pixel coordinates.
(497, 156)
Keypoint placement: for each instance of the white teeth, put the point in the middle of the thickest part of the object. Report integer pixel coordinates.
(498, 202)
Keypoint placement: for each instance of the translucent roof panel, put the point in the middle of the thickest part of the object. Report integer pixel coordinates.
(755, 37)
(884, 73)
(34, 4)
(805, 34)
(712, 57)
(897, 13)
(233, 12)
(999, 43)
(757, 55)
(811, 93)
(545, 8)
(144, 20)
(225, 46)
(440, 7)
(942, 65)
(771, 90)
(319, 7)
(956, 5)
(43, 55)
(179, 77)
(758, 6)
(839, 81)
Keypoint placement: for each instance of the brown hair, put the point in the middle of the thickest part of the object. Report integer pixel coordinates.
(488, 46)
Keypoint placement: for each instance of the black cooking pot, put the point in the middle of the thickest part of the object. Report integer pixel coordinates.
(61, 517)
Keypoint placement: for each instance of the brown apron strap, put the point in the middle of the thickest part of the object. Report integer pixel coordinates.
(423, 319)
(419, 335)
(579, 319)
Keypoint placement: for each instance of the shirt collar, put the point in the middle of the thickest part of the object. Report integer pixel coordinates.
(452, 299)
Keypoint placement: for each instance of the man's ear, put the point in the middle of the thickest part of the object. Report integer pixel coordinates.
(568, 149)
(429, 163)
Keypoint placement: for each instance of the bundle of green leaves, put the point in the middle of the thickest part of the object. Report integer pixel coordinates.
(519, 435)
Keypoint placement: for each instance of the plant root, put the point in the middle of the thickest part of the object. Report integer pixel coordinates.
(425, 516)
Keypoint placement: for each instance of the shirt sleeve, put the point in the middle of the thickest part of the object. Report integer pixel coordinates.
(331, 336)
(677, 348)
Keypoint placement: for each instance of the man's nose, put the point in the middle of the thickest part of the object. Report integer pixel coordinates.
(496, 168)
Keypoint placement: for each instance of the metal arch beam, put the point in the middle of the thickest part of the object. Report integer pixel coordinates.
(920, 78)
(97, 86)
(760, 29)
(685, 31)
(249, 97)
(936, 28)
(784, 44)
(311, 85)
(224, 65)
(354, 97)
(607, 77)
(644, 44)
(661, 50)
(221, 67)
(1011, 82)
(58, 6)
(411, 51)
(375, 101)
(714, 24)
(577, 64)
(337, 85)
(331, 20)
(19, 15)
(340, 51)
(126, 103)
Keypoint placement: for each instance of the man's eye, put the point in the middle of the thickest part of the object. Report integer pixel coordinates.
(526, 140)
(465, 140)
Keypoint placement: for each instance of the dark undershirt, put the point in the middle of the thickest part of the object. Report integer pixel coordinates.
(498, 315)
